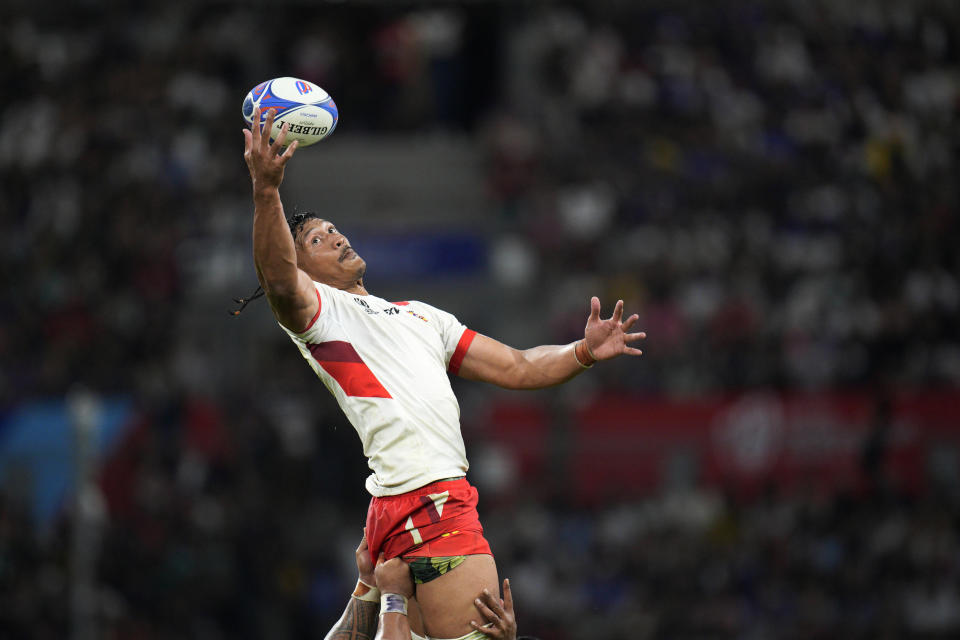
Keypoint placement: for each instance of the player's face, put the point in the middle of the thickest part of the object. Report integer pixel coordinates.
(326, 255)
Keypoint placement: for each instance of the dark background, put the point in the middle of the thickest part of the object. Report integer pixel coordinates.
(770, 185)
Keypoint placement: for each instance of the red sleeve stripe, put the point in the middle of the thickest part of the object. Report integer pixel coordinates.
(457, 358)
(317, 314)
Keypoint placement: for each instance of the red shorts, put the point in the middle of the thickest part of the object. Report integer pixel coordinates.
(439, 519)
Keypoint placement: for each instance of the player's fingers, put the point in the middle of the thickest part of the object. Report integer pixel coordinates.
(492, 603)
(617, 311)
(631, 337)
(291, 149)
(278, 143)
(507, 595)
(595, 309)
(630, 351)
(247, 142)
(255, 128)
(629, 322)
(487, 612)
(267, 129)
(487, 630)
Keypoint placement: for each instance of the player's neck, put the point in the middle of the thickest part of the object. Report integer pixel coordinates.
(357, 288)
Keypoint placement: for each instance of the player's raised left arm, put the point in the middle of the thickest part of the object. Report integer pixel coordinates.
(289, 289)
(548, 365)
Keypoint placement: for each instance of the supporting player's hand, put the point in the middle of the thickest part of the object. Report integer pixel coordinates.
(608, 338)
(393, 576)
(501, 621)
(365, 564)
(265, 160)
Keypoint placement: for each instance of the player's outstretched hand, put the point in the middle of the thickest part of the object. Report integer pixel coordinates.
(265, 160)
(365, 564)
(608, 338)
(393, 576)
(501, 621)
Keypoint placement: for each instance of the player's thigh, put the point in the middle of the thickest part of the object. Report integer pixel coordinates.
(447, 602)
(415, 617)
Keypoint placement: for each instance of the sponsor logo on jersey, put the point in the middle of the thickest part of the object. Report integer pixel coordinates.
(366, 307)
(416, 315)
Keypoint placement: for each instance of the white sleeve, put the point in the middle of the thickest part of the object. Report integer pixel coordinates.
(455, 335)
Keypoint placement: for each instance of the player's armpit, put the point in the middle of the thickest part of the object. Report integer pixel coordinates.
(298, 308)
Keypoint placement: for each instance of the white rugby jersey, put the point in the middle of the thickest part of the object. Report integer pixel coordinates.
(386, 364)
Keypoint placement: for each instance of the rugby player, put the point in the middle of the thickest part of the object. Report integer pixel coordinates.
(386, 363)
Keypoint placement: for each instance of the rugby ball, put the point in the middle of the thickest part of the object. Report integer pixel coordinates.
(308, 110)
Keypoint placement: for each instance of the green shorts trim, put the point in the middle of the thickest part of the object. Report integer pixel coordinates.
(426, 569)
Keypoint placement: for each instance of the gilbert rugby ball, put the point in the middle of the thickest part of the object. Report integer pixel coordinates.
(306, 108)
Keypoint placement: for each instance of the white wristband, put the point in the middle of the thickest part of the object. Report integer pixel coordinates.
(393, 603)
(365, 592)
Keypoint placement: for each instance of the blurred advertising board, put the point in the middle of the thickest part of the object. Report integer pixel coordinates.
(622, 446)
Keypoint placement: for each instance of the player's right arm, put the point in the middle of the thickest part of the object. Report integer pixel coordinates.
(492, 361)
(289, 290)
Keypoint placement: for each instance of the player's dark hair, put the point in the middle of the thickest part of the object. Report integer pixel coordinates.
(295, 222)
(243, 302)
(298, 219)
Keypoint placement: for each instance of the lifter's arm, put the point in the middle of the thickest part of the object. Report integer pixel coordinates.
(358, 622)
(359, 619)
(290, 291)
(396, 585)
(492, 361)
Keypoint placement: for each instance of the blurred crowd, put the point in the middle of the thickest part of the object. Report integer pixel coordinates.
(701, 564)
(241, 536)
(213, 527)
(770, 185)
